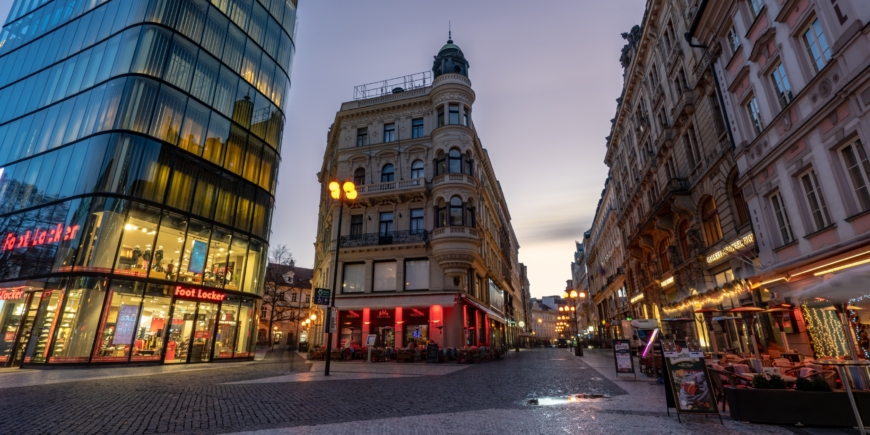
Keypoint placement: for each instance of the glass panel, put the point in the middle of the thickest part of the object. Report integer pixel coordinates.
(153, 172)
(168, 114)
(193, 259)
(182, 185)
(233, 48)
(234, 268)
(78, 324)
(228, 325)
(205, 77)
(353, 278)
(385, 276)
(180, 331)
(191, 18)
(416, 274)
(235, 150)
(117, 328)
(182, 58)
(170, 241)
(193, 132)
(218, 134)
(137, 105)
(216, 262)
(254, 268)
(225, 92)
(200, 350)
(152, 323)
(244, 346)
(100, 235)
(135, 255)
(205, 197)
(44, 326)
(153, 45)
(226, 201)
(252, 160)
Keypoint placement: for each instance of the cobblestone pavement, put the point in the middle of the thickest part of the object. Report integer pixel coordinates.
(483, 398)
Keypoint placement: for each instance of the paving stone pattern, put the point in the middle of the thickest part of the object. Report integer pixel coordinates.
(199, 402)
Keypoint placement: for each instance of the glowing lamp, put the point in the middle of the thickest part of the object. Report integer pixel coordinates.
(573, 293)
(314, 317)
(334, 189)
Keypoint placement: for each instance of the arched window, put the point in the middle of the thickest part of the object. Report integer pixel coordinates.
(456, 211)
(469, 214)
(739, 202)
(417, 170)
(663, 255)
(359, 176)
(710, 216)
(454, 161)
(684, 238)
(387, 174)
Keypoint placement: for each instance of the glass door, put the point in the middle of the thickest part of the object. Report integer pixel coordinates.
(203, 336)
(180, 332)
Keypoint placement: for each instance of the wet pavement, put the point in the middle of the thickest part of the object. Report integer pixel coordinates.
(284, 395)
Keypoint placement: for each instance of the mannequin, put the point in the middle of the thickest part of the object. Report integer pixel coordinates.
(137, 252)
(158, 259)
(147, 256)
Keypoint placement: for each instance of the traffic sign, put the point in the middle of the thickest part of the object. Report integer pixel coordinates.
(321, 296)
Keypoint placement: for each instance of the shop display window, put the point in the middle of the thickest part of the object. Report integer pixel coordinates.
(383, 323)
(11, 314)
(351, 327)
(193, 259)
(77, 324)
(137, 244)
(44, 326)
(235, 268)
(148, 341)
(203, 335)
(167, 251)
(253, 267)
(117, 328)
(100, 235)
(180, 331)
(228, 325)
(244, 342)
(219, 269)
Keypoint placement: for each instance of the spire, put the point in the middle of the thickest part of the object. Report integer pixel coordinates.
(449, 32)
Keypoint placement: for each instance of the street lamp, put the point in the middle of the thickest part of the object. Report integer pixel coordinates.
(573, 295)
(343, 193)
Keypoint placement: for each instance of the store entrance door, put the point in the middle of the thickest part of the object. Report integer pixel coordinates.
(191, 333)
(16, 329)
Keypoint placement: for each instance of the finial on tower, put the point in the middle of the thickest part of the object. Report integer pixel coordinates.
(449, 32)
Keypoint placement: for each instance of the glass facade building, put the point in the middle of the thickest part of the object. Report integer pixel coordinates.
(139, 148)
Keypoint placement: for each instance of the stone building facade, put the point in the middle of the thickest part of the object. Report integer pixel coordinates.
(427, 249)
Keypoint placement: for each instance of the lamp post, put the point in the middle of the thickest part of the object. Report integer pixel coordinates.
(343, 193)
(573, 295)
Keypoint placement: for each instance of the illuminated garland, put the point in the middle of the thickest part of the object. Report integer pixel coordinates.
(825, 332)
(714, 297)
(853, 318)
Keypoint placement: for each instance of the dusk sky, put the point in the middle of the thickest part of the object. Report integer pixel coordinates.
(546, 75)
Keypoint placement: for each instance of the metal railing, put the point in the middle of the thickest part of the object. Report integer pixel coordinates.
(392, 86)
(391, 186)
(378, 239)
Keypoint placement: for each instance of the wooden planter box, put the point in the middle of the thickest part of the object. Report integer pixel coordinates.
(789, 407)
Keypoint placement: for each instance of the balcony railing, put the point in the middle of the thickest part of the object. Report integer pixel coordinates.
(391, 186)
(454, 178)
(378, 239)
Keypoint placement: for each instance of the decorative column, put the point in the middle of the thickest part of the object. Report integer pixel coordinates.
(366, 325)
(398, 331)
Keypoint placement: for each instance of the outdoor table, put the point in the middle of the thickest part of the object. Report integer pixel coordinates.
(845, 376)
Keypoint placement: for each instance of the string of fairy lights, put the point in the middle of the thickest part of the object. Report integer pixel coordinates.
(826, 332)
(714, 296)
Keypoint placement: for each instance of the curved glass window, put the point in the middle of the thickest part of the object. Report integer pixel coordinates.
(168, 248)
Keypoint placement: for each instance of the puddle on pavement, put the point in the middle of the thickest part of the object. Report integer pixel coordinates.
(561, 400)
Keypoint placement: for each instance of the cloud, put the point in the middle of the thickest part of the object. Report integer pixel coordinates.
(539, 231)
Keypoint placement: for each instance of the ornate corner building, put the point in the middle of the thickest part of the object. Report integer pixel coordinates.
(427, 248)
(139, 148)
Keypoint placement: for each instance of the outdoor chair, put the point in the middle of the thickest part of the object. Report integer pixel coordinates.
(716, 377)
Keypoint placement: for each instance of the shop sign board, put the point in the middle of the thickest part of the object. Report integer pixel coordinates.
(622, 356)
(38, 236)
(686, 376)
(321, 296)
(202, 334)
(332, 320)
(370, 340)
(12, 294)
(432, 353)
(200, 294)
(126, 325)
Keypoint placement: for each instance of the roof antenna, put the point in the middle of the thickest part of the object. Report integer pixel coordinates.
(449, 33)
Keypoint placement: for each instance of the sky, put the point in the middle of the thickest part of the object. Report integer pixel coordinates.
(546, 75)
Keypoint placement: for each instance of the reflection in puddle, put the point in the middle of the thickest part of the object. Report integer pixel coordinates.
(561, 400)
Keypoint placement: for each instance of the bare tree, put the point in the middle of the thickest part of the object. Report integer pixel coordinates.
(280, 284)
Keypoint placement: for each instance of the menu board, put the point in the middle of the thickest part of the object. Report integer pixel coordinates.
(432, 353)
(126, 325)
(622, 356)
(687, 378)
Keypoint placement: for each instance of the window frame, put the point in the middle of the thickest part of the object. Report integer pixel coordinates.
(820, 217)
(755, 7)
(388, 177)
(754, 113)
(862, 166)
(824, 52)
(386, 227)
(417, 224)
(781, 219)
(389, 132)
(779, 79)
(362, 137)
(359, 176)
(417, 128)
(710, 218)
(415, 169)
(733, 39)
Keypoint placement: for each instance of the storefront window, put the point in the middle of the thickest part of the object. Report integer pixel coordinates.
(416, 326)
(148, 342)
(11, 313)
(77, 326)
(228, 325)
(351, 327)
(235, 266)
(137, 244)
(383, 324)
(218, 252)
(193, 258)
(246, 327)
(100, 235)
(253, 267)
(43, 329)
(180, 331)
(170, 241)
(203, 336)
(115, 336)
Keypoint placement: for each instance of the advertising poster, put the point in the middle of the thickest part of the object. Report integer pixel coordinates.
(688, 379)
(197, 256)
(622, 356)
(126, 325)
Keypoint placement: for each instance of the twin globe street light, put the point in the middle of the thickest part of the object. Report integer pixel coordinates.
(343, 193)
(573, 295)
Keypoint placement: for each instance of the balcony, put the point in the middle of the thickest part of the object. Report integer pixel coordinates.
(684, 105)
(454, 232)
(391, 186)
(381, 239)
(454, 178)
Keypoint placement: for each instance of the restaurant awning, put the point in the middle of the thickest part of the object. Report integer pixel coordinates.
(392, 301)
(492, 314)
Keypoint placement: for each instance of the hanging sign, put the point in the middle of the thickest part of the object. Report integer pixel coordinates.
(321, 296)
(687, 379)
(332, 320)
(622, 356)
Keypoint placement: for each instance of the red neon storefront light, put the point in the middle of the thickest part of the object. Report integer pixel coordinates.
(38, 236)
(201, 294)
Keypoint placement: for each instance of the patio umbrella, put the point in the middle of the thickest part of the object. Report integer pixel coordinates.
(708, 321)
(722, 320)
(839, 289)
(778, 313)
(748, 314)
